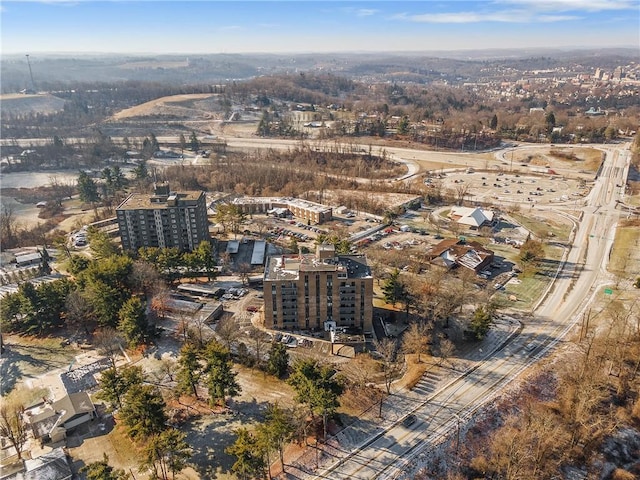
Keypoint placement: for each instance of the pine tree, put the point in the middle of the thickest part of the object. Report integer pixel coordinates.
(194, 143)
(248, 453)
(101, 470)
(221, 379)
(133, 322)
(493, 124)
(167, 453)
(143, 412)
(278, 362)
(87, 188)
(277, 429)
(189, 369)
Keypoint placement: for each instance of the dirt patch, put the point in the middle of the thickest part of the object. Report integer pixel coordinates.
(165, 106)
(414, 372)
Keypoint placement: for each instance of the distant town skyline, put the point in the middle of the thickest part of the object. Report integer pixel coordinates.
(201, 27)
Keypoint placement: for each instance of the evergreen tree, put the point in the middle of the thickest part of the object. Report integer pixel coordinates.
(317, 387)
(115, 383)
(493, 124)
(141, 172)
(101, 470)
(166, 453)
(278, 362)
(403, 125)
(87, 188)
(277, 429)
(481, 322)
(194, 143)
(394, 290)
(143, 412)
(189, 370)
(206, 259)
(248, 453)
(133, 322)
(221, 379)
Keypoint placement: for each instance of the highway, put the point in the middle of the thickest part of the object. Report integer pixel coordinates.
(399, 450)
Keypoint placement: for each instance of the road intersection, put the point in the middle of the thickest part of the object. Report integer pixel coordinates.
(399, 450)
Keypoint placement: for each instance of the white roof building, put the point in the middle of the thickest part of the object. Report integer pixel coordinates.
(473, 217)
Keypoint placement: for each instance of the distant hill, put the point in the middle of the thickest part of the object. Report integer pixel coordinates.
(52, 71)
(16, 103)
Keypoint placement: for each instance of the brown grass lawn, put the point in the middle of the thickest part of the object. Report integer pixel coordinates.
(541, 227)
(625, 254)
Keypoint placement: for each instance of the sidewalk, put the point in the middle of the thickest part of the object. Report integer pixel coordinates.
(401, 402)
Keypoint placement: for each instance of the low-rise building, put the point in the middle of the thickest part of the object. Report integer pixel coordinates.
(302, 209)
(318, 291)
(50, 421)
(474, 218)
(453, 253)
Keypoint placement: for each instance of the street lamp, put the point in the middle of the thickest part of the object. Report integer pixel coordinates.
(457, 417)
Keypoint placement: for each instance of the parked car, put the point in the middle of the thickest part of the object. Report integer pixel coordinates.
(409, 420)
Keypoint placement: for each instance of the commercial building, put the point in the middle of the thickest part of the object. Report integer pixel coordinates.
(165, 219)
(453, 253)
(302, 209)
(474, 218)
(318, 291)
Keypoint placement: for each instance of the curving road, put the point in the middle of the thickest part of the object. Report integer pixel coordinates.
(398, 450)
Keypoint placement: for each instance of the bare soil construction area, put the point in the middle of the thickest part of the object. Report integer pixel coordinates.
(189, 106)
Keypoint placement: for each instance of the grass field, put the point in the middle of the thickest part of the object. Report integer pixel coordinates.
(29, 357)
(528, 288)
(559, 226)
(625, 254)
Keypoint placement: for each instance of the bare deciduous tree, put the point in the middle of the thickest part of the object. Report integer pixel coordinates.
(109, 343)
(416, 340)
(388, 350)
(228, 330)
(12, 425)
(259, 342)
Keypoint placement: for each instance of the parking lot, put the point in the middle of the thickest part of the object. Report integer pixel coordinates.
(515, 188)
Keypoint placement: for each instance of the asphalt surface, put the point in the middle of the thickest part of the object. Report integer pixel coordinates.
(397, 451)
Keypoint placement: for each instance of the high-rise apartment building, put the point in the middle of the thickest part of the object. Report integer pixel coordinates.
(306, 291)
(165, 219)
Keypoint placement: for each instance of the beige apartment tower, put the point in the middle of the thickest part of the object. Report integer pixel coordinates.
(165, 219)
(303, 292)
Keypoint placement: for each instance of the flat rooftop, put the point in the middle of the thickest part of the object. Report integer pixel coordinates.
(311, 206)
(138, 201)
(288, 267)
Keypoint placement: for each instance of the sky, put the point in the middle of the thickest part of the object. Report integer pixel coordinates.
(200, 27)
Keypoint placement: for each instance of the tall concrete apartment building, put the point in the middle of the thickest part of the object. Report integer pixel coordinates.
(165, 219)
(305, 291)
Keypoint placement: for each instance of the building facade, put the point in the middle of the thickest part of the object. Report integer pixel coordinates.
(165, 219)
(301, 209)
(313, 292)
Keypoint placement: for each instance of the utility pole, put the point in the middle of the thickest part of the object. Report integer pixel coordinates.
(33, 85)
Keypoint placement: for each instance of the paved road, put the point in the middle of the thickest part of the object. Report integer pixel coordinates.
(397, 451)
(392, 453)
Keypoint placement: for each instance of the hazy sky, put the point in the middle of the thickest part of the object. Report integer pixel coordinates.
(313, 26)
